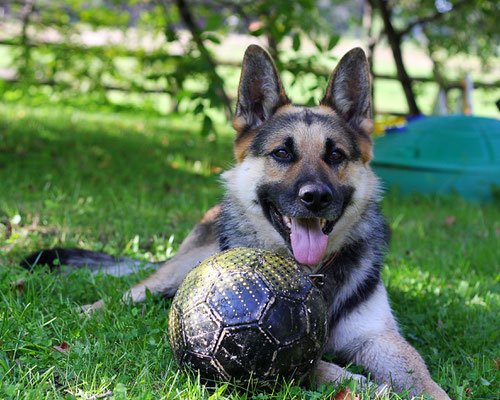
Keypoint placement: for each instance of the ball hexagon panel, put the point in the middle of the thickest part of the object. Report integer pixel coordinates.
(201, 330)
(237, 352)
(175, 331)
(206, 365)
(235, 259)
(298, 357)
(284, 320)
(239, 297)
(315, 309)
(284, 277)
(194, 287)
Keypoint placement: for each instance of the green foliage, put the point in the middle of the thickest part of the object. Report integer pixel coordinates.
(153, 48)
(119, 54)
(135, 185)
(464, 27)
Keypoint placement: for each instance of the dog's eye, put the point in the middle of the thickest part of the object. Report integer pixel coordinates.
(281, 154)
(336, 156)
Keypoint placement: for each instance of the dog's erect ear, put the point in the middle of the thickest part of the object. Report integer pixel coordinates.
(349, 91)
(260, 92)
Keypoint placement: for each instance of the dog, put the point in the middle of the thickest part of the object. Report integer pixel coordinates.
(301, 186)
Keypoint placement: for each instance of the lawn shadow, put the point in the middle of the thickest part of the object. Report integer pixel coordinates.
(442, 325)
(123, 175)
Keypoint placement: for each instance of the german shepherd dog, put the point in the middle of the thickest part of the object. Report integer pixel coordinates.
(301, 186)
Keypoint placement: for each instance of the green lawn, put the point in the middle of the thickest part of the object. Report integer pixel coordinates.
(134, 185)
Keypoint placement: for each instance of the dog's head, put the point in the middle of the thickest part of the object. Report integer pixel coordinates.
(303, 173)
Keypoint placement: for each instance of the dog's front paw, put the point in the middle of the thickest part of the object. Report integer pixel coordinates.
(436, 392)
(381, 390)
(328, 372)
(89, 308)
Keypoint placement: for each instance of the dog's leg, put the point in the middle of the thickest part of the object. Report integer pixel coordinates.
(392, 359)
(327, 372)
(200, 244)
(369, 336)
(167, 279)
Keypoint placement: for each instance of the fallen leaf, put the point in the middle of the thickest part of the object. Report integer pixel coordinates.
(18, 286)
(62, 348)
(345, 394)
(450, 220)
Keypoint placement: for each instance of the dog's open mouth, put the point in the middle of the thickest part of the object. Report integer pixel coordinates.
(308, 237)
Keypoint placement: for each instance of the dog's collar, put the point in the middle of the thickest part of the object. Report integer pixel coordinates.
(319, 275)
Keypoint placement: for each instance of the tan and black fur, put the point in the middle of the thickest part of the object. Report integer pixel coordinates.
(301, 186)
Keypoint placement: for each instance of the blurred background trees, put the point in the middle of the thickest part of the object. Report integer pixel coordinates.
(442, 28)
(183, 55)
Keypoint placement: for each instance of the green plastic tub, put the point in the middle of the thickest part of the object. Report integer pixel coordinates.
(442, 155)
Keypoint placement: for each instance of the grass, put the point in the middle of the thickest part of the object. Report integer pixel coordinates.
(135, 185)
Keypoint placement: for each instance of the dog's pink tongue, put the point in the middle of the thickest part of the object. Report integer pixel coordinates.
(308, 240)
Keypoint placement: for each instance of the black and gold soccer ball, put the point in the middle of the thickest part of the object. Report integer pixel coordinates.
(248, 314)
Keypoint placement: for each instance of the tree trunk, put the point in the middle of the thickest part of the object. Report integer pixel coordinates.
(272, 45)
(372, 42)
(188, 19)
(394, 39)
(26, 71)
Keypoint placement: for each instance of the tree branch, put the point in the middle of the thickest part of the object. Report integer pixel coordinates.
(188, 20)
(372, 43)
(395, 43)
(429, 18)
(26, 12)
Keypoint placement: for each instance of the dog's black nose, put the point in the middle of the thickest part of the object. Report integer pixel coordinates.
(315, 196)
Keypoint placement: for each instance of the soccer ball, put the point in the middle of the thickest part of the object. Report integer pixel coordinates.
(248, 314)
